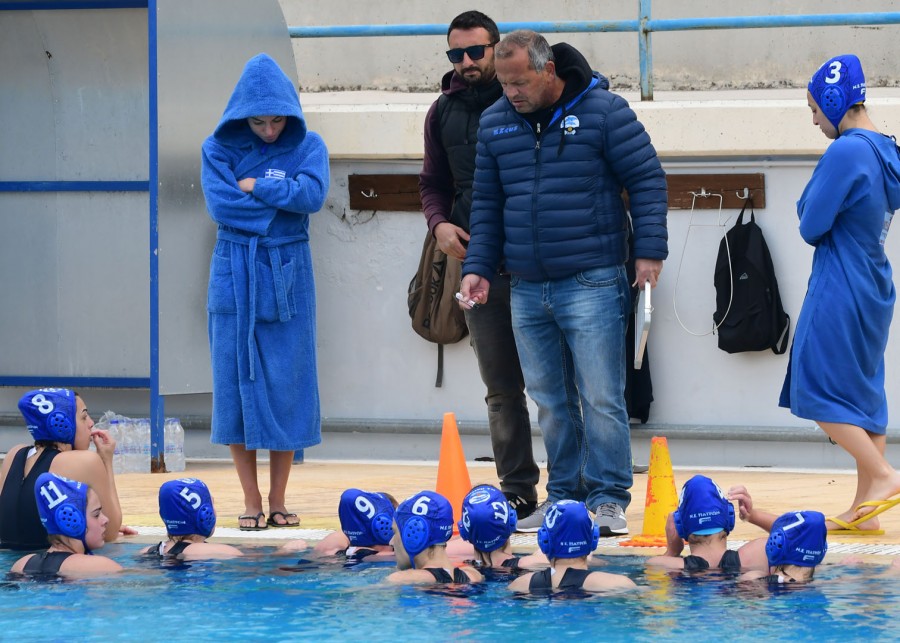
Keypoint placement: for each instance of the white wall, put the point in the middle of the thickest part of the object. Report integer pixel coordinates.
(373, 366)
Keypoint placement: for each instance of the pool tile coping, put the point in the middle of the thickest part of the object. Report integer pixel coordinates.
(607, 545)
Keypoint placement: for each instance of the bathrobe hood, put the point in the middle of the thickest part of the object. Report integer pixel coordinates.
(263, 90)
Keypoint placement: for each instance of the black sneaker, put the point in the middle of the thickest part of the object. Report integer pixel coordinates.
(524, 508)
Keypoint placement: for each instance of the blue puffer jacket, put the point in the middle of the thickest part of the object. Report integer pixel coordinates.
(551, 205)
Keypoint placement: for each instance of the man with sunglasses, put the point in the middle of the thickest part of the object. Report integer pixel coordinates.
(553, 158)
(445, 187)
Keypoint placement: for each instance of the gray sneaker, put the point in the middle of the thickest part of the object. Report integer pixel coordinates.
(610, 518)
(532, 523)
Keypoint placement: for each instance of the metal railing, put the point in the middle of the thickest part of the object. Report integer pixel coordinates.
(644, 26)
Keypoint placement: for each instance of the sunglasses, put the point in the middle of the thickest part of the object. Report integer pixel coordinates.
(475, 52)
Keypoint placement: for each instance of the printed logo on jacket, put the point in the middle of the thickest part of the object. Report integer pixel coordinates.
(570, 124)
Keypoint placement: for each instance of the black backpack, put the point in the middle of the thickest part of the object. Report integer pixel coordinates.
(749, 315)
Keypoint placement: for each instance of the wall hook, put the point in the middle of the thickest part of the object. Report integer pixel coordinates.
(371, 194)
(745, 195)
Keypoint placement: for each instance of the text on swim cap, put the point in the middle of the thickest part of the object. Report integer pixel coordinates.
(42, 404)
(192, 497)
(57, 496)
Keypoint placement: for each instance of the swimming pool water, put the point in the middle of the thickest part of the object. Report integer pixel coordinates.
(269, 597)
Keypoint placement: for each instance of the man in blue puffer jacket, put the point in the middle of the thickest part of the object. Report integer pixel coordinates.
(553, 158)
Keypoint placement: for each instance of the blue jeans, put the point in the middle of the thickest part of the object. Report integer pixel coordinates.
(571, 338)
(491, 332)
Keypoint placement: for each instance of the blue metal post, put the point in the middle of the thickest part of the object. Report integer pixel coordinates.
(157, 405)
(645, 51)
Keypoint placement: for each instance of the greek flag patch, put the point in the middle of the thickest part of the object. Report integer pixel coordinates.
(274, 174)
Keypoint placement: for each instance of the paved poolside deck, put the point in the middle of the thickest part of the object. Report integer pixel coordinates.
(315, 487)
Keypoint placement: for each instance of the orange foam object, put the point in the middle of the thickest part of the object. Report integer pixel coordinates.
(453, 480)
(662, 497)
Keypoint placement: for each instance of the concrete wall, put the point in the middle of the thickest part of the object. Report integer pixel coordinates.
(377, 375)
(751, 58)
(376, 371)
(373, 366)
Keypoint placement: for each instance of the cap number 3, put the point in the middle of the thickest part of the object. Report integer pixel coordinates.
(835, 75)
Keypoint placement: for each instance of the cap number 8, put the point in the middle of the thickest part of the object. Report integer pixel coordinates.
(42, 403)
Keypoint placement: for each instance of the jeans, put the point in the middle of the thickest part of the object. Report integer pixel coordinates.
(571, 338)
(491, 333)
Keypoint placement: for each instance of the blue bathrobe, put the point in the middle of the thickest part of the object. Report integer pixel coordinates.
(836, 367)
(261, 301)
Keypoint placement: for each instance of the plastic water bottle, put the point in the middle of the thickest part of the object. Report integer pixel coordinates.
(143, 451)
(174, 435)
(116, 434)
(169, 440)
(180, 456)
(127, 433)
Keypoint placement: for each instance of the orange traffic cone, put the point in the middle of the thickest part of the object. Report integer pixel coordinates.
(453, 476)
(662, 498)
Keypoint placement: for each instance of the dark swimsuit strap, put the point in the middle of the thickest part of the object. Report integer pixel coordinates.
(441, 575)
(47, 562)
(178, 548)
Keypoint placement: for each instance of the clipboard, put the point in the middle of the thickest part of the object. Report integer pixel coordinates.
(642, 316)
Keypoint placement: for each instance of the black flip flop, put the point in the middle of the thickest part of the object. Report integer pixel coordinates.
(256, 520)
(272, 523)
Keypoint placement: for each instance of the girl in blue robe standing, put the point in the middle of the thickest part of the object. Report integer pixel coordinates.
(263, 174)
(836, 371)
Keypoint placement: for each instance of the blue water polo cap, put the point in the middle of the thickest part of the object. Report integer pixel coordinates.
(702, 509)
(487, 518)
(50, 414)
(367, 518)
(62, 505)
(797, 538)
(186, 507)
(568, 531)
(423, 520)
(838, 85)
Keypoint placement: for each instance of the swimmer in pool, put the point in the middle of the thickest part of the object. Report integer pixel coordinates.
(488, 521)
(704, 518)
(367, 520)
(423, 524)
(567, 537)
(71, 513)
(186, 508)
(63, 432)
(796, 545)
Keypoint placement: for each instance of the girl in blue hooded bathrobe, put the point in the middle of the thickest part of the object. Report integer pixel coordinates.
(836, 370)
(263, 173)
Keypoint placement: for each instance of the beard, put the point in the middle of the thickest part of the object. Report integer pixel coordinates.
(477, 76)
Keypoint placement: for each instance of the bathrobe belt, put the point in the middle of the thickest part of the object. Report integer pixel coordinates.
(281, 295)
